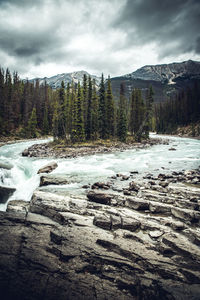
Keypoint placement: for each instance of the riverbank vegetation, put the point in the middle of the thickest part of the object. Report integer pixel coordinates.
(73, 114)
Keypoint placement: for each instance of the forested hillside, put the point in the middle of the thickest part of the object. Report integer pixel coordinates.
(180, 111)
(75, 113)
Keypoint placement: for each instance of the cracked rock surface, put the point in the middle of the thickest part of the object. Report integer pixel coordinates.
(144, 245)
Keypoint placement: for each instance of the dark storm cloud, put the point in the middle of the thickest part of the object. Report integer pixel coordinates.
(19, 2)
(172, 24)
(41, 36)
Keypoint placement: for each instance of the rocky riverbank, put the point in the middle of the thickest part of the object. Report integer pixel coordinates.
(128, 238)
(64, 151)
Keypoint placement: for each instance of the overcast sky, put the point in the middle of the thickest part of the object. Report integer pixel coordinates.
(45, 37)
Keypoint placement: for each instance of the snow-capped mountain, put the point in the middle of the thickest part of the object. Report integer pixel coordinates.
(167, 73)
(55, 81)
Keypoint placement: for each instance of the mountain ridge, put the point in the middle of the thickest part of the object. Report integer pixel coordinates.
(166, 72)
(166, 79)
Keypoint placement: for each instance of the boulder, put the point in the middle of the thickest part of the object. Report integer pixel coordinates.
(25, 152)
(5, 193)
(134, 186)
(99, 198)
(101, 185)
(130, 224)
(48, 168)
(155, 234)
(137, 204)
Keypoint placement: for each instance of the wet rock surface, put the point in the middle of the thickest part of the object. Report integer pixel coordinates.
(5, 193)
(107, 245)
(48, 168)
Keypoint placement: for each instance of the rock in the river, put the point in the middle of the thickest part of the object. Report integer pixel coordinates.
(5, 193)
(54, 179)
(101, 185)
(48, 168)
(25, 152)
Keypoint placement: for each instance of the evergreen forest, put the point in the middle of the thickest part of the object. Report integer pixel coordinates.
(181, 110)
(74, 113)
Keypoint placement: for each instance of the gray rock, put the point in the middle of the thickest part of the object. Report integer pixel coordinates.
(59, 247)
(18, 206)
(186, 214)
(5, 193)
(48, 168)
(156, 207)
(134, 186)
(54, 179)
(25, 152)
(137, 203)
(102, 221)
(130, 224)
(154, 234)
(101, 185)
(99, 198)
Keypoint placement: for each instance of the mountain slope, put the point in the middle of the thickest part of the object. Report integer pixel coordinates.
(167, 72)
(165, 79)
(55, 81)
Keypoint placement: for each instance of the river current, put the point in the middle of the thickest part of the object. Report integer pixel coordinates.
(89, 169)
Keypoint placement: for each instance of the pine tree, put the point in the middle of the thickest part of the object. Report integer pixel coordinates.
(68, 112)
(102, 109)
(80, 132)
(110, 111)
(61, 112)
(136, 114)
(85, 100)
(122, 120)
(148, 113)
(32, 125)
(55, 120)
(94, 112)
(74, 114)
(89, 110)
(45, 126)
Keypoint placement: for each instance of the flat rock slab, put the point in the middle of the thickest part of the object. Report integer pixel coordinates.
(54, 179)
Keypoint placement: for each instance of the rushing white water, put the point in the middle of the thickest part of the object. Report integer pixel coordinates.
(89, 169)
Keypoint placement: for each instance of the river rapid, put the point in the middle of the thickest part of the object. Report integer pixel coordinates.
(89, 169)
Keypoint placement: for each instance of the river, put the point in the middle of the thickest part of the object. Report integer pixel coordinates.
(89, 169)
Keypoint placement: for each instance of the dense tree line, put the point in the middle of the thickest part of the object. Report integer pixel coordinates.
(181, 110)
(74, 113)
(26, 108)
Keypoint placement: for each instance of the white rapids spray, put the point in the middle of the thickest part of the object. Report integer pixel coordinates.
(89, 169)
